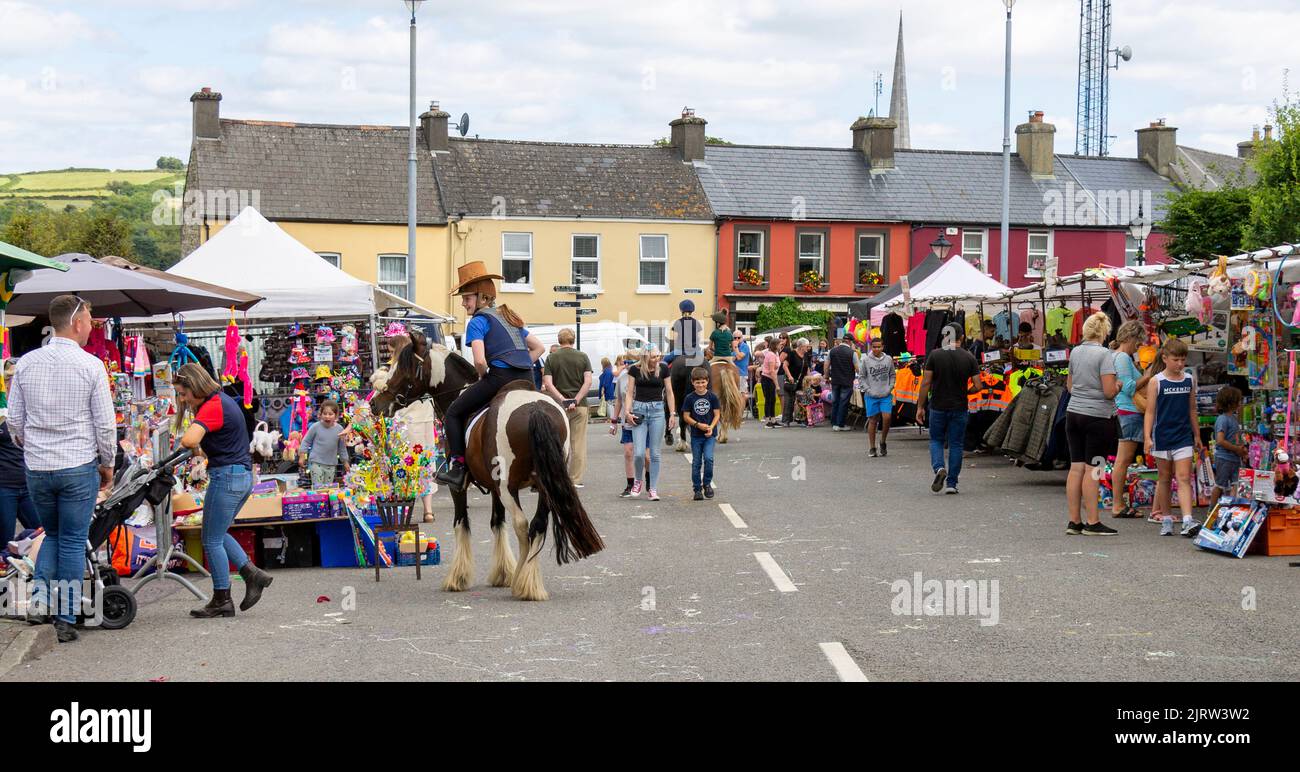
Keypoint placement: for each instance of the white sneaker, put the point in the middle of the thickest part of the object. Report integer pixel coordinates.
(1188, 525)
(654, 495)
(636, 490)
(1167, 529)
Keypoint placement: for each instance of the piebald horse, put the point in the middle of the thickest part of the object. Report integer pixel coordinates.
(724, 380)
(521, 441)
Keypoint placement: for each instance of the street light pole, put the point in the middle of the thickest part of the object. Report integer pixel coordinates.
(411, 162)
(1006, 150)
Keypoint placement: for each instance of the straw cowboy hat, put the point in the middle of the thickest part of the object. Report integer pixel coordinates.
(473, 277)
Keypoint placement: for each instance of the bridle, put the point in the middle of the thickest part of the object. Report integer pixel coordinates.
(404, 399)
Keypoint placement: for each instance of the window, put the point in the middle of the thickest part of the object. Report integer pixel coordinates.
(394, 275)
(1130, 250)
(1040, 246)
(751, 258)
(333, 258)
(654, 263)
(586, 260)
(517, 261)
(811, 258)
(972, 248)
(871, 258)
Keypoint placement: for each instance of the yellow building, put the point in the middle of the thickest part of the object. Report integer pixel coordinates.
(630, 223)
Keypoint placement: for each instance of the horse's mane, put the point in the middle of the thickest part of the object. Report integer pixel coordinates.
(454, 361)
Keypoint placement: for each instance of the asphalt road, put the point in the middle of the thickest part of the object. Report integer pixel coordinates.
(682, 593)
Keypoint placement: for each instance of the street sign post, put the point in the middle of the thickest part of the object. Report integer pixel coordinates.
(585, 296)
(581, 312)
(567, 304)
(576, 290)
(567, 288)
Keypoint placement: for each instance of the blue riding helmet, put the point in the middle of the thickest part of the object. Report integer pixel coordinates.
(687, 306)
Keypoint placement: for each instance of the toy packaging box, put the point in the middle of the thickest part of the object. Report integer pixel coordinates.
(1232, 527)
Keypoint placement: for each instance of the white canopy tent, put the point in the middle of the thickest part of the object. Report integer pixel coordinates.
(955, 281)
(256, 255)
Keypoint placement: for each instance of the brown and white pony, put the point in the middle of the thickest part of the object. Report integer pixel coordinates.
(724, 380)
(522, 441)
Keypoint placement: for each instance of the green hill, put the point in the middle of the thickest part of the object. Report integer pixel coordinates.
(79, 187)
(98, 211)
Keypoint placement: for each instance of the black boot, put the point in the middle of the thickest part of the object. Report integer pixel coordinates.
(453, 476)
(65, 631)
(255, 580)
(220, 606)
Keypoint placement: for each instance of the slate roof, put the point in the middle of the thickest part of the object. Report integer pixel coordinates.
(940, 186)
(315, 172)
(548, 179)
(1205, 170)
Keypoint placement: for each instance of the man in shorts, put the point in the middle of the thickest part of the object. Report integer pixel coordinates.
(877, 373)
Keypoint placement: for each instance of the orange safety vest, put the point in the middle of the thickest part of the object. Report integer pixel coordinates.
(994, 393)
(907, 386)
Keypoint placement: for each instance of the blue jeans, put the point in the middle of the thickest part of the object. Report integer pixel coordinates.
(16, 507)
(947, 426)
(65, 499)
(649, 428)
(228, 489)
(840, 396)
(702, 458)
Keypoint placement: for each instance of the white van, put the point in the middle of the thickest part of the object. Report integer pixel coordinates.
(599, 339)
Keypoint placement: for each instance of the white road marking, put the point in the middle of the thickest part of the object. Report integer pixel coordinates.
(844, 665)
(775, 573)
(730, 512)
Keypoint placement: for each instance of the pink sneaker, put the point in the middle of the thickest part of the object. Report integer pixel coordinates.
(636, 489)
(654, 495)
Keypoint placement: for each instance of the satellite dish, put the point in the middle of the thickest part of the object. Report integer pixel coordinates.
(1126, 53)
(462, 125)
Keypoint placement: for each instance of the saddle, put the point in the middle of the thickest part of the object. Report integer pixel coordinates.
(476, 419)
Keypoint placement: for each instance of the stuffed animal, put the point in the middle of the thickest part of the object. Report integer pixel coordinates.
(291, 446)
(1199, 304)
(264, 440)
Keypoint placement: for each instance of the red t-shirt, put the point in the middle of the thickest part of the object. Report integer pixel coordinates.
(226, 441)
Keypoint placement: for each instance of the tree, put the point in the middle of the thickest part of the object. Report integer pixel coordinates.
(169, 163)
(787, 312)
(1275, 198)
(1204, 223)
(146, 249)
(106, 234)
(32, 231)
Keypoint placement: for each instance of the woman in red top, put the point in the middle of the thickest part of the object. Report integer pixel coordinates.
(219, 432)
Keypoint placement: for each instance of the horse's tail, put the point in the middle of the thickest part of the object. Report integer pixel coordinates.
(733, 404)
(575, 536)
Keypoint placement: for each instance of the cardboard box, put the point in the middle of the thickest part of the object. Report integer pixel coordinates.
(305, 506)
(261, 508)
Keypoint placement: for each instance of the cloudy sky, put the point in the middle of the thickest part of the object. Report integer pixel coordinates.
(106, 83)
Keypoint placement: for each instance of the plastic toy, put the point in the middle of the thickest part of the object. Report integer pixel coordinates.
(324, 334)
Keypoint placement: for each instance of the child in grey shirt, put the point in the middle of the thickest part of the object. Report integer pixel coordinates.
(323, 448)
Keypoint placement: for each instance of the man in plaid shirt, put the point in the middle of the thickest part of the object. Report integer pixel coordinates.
(61, 413)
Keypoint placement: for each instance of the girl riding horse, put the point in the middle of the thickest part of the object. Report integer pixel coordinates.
(503, 352)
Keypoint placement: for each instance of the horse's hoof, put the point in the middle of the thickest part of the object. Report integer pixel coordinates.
(722, 441)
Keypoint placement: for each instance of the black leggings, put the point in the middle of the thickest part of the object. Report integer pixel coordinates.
(473, 399)
(769, 396)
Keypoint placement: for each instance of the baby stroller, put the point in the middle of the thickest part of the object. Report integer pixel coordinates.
(134, 486)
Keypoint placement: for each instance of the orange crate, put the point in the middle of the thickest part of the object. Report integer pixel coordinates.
(1282, 532)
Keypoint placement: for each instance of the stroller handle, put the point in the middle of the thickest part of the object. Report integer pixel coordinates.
(176, 457)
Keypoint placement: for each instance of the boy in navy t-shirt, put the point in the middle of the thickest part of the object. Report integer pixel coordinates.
(701, 410)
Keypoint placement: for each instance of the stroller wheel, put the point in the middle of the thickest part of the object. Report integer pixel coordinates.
(119, 607)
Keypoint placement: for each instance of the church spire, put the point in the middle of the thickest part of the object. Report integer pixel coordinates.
(898, 94)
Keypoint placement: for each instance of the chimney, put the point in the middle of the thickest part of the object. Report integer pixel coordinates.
(433, 125)
(874, 138)
(688, 136)
(1157, 145)
(1247, 149)
(1268, 132)
(1036, 146)
(207, 113)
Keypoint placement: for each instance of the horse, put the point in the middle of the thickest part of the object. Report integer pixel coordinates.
(724, 380)
(520, 441)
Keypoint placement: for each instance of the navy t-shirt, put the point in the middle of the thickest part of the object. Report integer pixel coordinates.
(13, 469)
(226, 441)
(701, 407)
